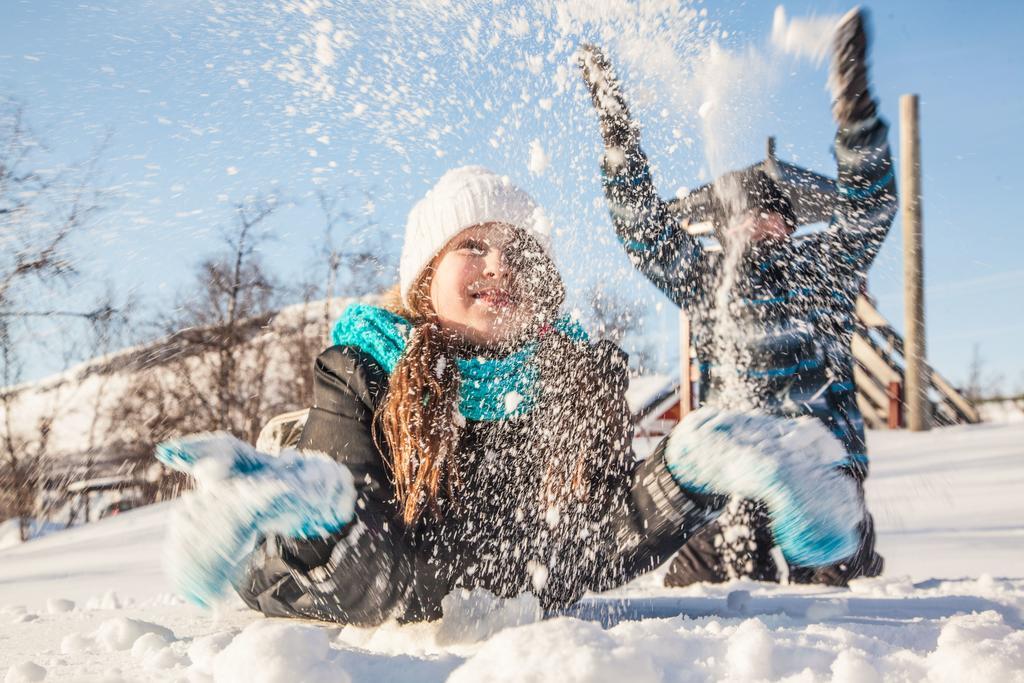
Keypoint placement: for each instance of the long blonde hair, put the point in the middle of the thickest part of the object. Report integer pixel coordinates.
(417, 415)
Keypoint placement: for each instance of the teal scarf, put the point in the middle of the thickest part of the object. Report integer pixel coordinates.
(490, 388)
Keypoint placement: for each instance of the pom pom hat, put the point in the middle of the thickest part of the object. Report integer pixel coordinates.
(462, 198)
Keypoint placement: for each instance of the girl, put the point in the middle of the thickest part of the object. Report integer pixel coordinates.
(488, 441)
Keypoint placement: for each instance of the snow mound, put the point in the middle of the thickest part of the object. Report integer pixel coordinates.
(59, 605)
(585, 652)
(473, 616)
(205, 649)
(122, 633)
(154, 651)
(108, 601)
(977, 647)
(26, 672)
(279, 652)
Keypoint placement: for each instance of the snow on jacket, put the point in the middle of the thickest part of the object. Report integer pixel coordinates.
(794, 301)
(497, 535)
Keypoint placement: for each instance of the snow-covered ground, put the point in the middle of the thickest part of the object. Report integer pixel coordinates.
(92, 604)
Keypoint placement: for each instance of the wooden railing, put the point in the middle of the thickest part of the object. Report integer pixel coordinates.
(878, 374)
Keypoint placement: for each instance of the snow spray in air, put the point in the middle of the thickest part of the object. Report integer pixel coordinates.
(420, 87)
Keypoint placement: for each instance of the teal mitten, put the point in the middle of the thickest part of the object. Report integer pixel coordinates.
(792, 465)
(241, 494)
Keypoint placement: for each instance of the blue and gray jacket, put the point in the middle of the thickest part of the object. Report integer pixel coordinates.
(794, 300)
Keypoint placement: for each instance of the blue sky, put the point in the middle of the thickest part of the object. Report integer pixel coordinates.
(201, 113)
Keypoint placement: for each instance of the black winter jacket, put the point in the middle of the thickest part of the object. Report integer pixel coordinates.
(496, 536)
(793, 305)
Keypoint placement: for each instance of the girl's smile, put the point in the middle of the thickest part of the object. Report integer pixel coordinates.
(495, 297)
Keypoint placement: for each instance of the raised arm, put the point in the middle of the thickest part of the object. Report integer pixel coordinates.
(653, 238)
(363, 574)
(866, 184)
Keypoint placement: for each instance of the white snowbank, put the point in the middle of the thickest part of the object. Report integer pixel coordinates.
(10, 531)
(947, 504)
(1004, 410)
(979, 647)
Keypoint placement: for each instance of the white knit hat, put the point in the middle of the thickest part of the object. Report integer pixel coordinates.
(462, 198)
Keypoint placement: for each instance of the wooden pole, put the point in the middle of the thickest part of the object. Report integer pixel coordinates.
(918, 414)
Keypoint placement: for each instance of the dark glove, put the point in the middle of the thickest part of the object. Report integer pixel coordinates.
(848, 78)
(618, 130)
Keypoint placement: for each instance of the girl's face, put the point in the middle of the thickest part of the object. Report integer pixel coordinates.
(479, 285)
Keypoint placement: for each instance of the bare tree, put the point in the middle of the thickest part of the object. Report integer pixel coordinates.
(237, 289)
(230, 358)
(22, 474)
(303, 337)
(355, 262)
(106, 335)
(981, 384)
(352, 251)
(42, 208)
(212, 371)
(973, 390)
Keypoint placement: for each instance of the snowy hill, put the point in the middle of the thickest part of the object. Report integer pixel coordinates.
(92, 604)
(79, 404)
